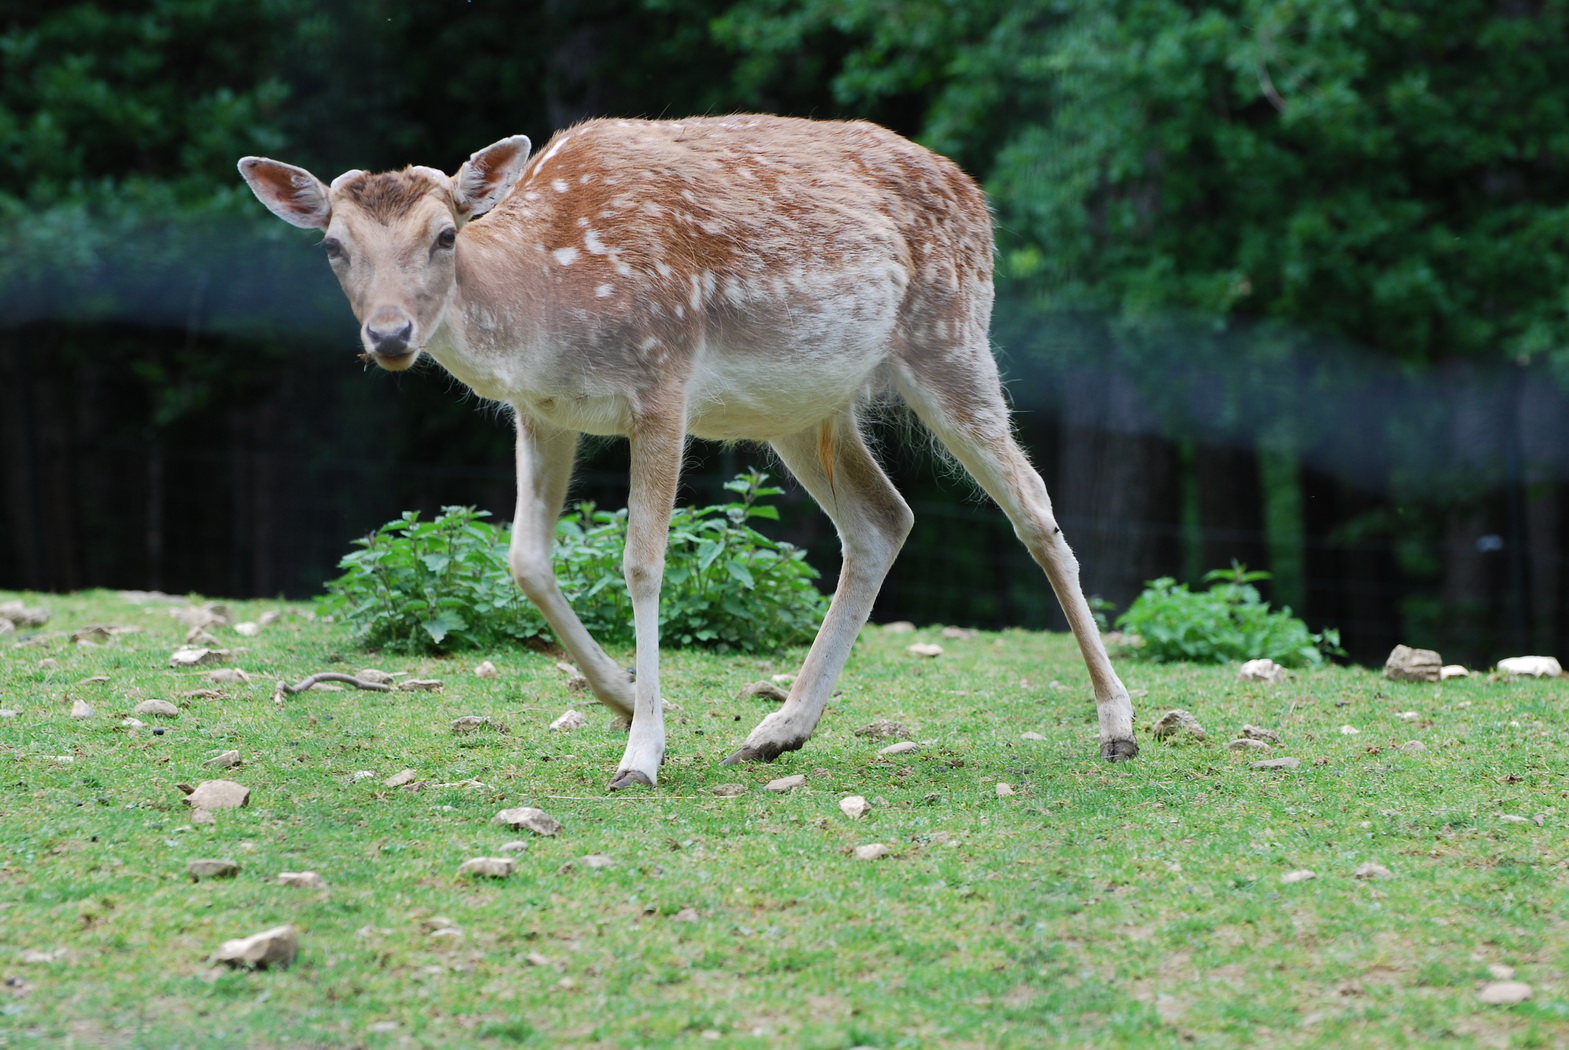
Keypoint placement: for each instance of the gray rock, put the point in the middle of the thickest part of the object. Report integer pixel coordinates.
(1269, 736)
(474, 723)
(218, 794)
(156, 709)
(570, 719)
(903, 747)
(595, 861)
(211, 869)
(872, 851)
(1265, 671)
(529, 819)
(855, 807)
(9, 712)
(276, 947)
(224, 760)
(1413, 665)
(488, 867)
(1531, 666)
(1372, 870)
(884, 729)
(1413, 747)
(81, 709)
(789, 783)
(763, 690)
(1178, 726)
(515, 846)
(1300, 875)
(308, 880)
(926, 649)
(729, 790)
(486, 669)
(1278, 763)
(398, 779)
(1504, 993)
(1245, 744)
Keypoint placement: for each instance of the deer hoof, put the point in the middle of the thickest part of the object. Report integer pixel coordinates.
(626, 778)
(1118, 750)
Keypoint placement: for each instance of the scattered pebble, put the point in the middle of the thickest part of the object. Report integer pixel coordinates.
(1005, 790)
(421, 685)
(360, 774)
(1531, 667)
(81, 709)
(763, 690)
(686, 914)
(261, 951)
(9, 712)
(224, 760)
(596, 861)
(885, 729)
(528, 818)
(194, 657)
(1349, 731)
(1501, 972)
(899, 627)
(1277, 763)
(1269, 736)
(1300, 875)
(218, 794)
(855, 807)
(376, 676)
(1263, 670)
(248, 628)
(1178, 725)
(1453, 671)
(1406, 664)
(211, 869)
(1504, 993)
(903, 747)
(49, 663)
(228, 676)
(307, 880)
(959, 634)
(156, 709)
(1413, 747)
(1246, 744)
(1372, 870)
(515, 846)
(486, 669)
(569, 720)
(789, 783)
(537, 959)
(474, 723)
(198, 637)
(34, 957)
(1510, 818)
(1033, 736)
(872, 851)
(398, 779)
(926, 649)
(488, 867)
(1407, 715)
(729, 790)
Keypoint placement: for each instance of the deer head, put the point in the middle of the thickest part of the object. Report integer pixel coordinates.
(392, 239)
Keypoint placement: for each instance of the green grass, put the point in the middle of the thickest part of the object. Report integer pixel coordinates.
(1138, 905)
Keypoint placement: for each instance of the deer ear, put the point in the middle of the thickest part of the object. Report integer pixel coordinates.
(489, 175)
(292, 194)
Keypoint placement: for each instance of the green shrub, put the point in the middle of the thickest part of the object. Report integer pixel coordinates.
(1230, 621)
(445, 584)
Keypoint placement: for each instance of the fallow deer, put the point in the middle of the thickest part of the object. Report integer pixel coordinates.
(743, 278)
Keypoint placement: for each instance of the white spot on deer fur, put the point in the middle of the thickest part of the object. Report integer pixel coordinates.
(680, 311)
(531, 195)
(594, 245)
(605, 291)
(697, 293)
(565, 256)
(662, 268)
(622, 268)
(648, 344)
(559, 185)
(587, 178)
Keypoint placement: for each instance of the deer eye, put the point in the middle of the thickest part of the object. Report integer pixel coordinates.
(334, 249)
(446, 238)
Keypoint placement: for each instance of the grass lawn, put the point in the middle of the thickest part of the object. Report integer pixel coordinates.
(1137, 905)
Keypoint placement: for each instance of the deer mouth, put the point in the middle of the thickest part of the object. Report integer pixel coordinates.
(397, 362)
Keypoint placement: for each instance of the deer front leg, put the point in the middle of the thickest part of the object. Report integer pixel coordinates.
(544, 462)
(657, 445)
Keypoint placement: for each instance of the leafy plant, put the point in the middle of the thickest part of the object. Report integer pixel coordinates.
(445, 583)
(1230, 621)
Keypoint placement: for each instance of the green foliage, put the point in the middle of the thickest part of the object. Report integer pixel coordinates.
(445, 584)
(1230, 621)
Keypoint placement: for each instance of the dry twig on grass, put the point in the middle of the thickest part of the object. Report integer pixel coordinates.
(326, 676)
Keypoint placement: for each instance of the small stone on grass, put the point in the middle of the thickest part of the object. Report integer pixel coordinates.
(1265, 671)
(211, 869)
(1300, 875)
(528, 818)
(789, 783)
(269, 948)
(885, 729)
(486, 669)
(903, 747)
(855, 807)
(488, 867)
(1504, 993)
(569, 720)
(926, 649)
(872, 851)
(1277, 763)
(308, 880)
(1246, 744)
(1178, 726)
(1004, 790)
(1372, 870)
(81, 709)
(762, 690)
(398, 779)
(729, 790)
(218, 794)
(224, 760)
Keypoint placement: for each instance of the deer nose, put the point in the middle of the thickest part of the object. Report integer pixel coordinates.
(390, 341)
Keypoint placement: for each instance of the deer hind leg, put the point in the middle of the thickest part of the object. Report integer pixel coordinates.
(959, 398)
(834, 465)
(657, 445)
(544, 464)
